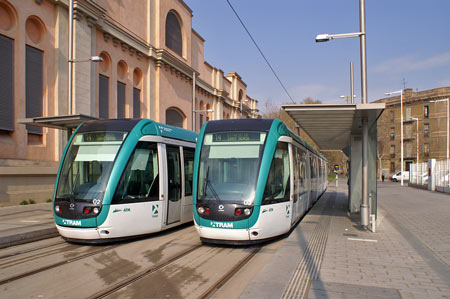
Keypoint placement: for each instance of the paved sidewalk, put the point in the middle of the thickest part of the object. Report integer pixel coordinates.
(407, 257)
(22, 224)
(327, 255)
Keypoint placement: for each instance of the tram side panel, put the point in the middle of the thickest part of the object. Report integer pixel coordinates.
(285, 187)
(275, 215)
(112, 180)
(137, 206)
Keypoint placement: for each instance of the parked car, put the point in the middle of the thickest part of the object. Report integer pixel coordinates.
(397, 177)
(423, 178)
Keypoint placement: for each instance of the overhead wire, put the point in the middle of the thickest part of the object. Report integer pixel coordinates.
(260, 51)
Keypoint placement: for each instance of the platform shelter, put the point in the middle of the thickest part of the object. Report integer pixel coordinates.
(339, 127)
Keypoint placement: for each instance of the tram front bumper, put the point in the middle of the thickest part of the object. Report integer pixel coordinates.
(78, 233)
(223, 233)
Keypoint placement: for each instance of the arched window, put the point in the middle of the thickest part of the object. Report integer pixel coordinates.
(173, 34)
(174, 118)
(241, 94)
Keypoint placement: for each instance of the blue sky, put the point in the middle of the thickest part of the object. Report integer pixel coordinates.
(407, 39)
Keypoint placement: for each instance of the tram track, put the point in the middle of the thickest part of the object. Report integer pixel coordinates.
(225, 278)
(4, 256)
(119, 286)
(214, 285)
(57, 264)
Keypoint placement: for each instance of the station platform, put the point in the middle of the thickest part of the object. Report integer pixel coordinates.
(328, 255)
(26, 223)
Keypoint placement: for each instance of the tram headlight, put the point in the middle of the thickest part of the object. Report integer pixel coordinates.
(240, 211)
(202, 210)
(57, 209)
(95, 210)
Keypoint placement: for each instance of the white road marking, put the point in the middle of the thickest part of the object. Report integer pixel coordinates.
(30, 221)
(363, 240)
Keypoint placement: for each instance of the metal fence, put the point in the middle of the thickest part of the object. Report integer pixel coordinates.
(419, 173)
(441, 173)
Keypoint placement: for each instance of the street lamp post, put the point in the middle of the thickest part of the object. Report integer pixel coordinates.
(401, 130)
(352, 89)
(417, 149)
(348, 99)
(71, 59)
(364, 208)
(199, 111)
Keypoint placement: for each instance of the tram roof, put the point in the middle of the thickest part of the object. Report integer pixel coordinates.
(143, 126)
(251, 124)
(331, 125)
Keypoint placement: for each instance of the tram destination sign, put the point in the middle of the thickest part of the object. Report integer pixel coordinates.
(236, 136)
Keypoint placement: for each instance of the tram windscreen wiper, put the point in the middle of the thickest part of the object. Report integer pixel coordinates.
(207, 183)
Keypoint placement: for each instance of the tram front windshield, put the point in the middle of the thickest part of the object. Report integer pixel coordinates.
(229, 166)
(87, 166)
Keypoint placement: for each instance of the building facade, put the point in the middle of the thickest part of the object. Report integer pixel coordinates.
(152, 66)
(425, 119)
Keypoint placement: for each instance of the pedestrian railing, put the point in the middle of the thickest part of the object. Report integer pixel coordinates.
(436, 172)
(419, 173)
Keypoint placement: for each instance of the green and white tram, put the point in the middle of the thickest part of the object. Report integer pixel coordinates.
(122, 178)
(253, 180)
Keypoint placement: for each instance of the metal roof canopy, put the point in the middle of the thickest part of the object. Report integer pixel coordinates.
(331, 125)
(62, 122)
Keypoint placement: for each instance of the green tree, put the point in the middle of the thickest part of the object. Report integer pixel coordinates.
(309, 100)
(272, 110)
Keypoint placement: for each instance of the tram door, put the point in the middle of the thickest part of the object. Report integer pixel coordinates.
(173, 184)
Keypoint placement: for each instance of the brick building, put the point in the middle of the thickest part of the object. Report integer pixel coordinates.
(151, 59)
(429, 109)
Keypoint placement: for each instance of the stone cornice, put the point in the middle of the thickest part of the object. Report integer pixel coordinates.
(186, 6)
(164, 56)
(89, 8)
(97, 16)
(198, 35)
(205, 86)
(124, 36)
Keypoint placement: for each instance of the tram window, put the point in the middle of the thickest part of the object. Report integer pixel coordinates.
(140, 180)
(88, 164)
(189, 154)
(174, 172)
(277, 186)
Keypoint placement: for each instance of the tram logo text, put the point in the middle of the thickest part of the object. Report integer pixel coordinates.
(72, 222)
(221, 224)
